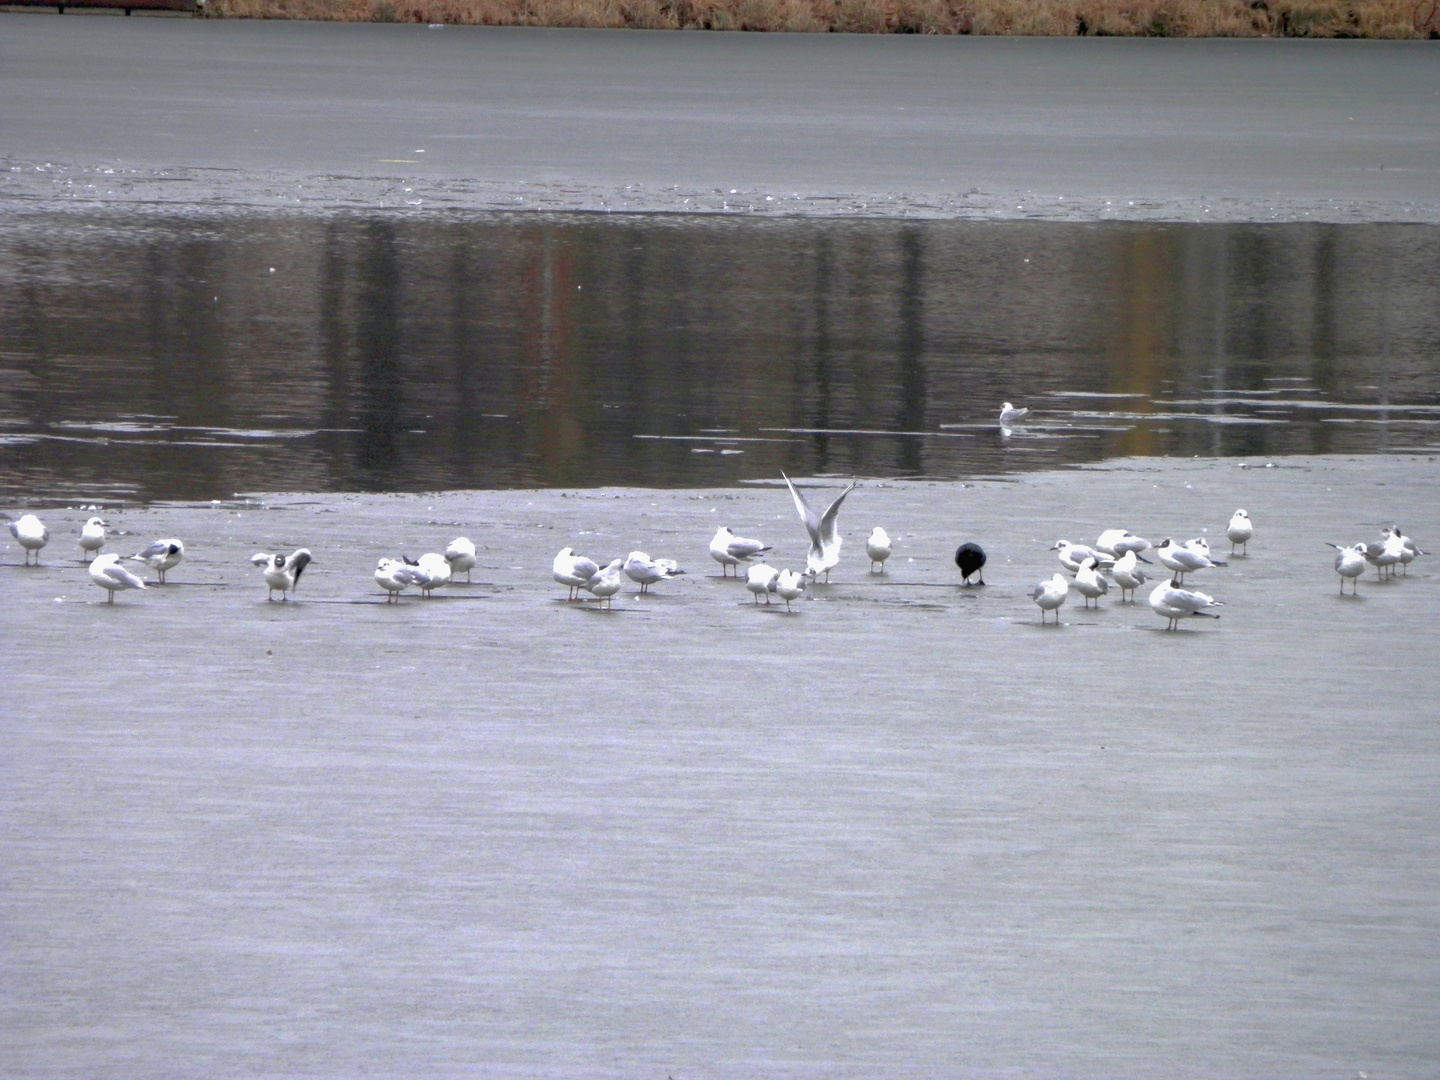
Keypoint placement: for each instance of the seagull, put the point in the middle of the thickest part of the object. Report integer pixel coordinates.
(645, 571)
(760, 580)
(1384, 554)
(32, 534)
(1173, 603)
(825, 542)
(1049, 595)
(1116, 542)
(970, 558)
(394, 577)
(730, 550)
(431, 572)
(1201, 546)
(1409, 550)
(460, 554)
(788, 586)
(1072, 555)
(1239, 531)
(878, 548)
(605, 583)
(281, 572)
(1089, 584)
(1349, 563)
(1183, 560)
(160, 556)
(107, 572)
(573, 570)
(1009, 414)
(1128, 575)
(92, 536)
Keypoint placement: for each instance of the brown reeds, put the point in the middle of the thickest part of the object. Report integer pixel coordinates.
(1130, 18)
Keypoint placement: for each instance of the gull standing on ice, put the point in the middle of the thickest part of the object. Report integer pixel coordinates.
(32, 534)
(431, 572)
(760, 580)
(1239, 531)
(970, 558)
(1173, 603)
(107, 572)
(573, 571)
(1009, 414)
(1384, 554)
(394, 577)
(605, 584)
(1349, 563)
(788, 586)
(1183, 560)
(1116, 542)
(645, 571)
(1128, 575)
(1049, 595)
(825, 541)
(878, 548)
(160, 556)
(1089, 584)
(1072, 555)
(460, 554)
(92, 536)
(1408, 550)
(281, 572)
(730, 550)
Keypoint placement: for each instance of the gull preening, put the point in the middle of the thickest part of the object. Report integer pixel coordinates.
(460, 554)
(161, 556)
(1384, 554)
(1408, 550)
(31, 534)
(1349, 563)
(760, 580)
(604, 584)
(1187, 559)
(1071, 556)
(107, 572)
(1089, 584)
(877, 546)
(394, 577)
(92, 536)
(431, 572)
(730, 550)
(282, 571)
(1116, 542)
(1009, 414)
(1173, 603)
(573, 571)
(825, 540)
(645, 571)
(970, 558)
(1127, 575)
(788, 585)
(1049, 595)
(1239, 531)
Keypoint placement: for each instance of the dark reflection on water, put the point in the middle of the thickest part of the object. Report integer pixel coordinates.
(152, 356)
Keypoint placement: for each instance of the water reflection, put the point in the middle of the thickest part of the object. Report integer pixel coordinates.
(195, 357)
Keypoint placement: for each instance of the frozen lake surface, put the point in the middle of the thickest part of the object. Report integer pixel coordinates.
(903, 832)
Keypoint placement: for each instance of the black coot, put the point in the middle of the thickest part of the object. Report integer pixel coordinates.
(970, 558)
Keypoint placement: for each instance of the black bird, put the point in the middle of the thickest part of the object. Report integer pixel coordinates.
(969, 558)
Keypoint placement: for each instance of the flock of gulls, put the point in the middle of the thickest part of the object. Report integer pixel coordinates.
(1090, 569)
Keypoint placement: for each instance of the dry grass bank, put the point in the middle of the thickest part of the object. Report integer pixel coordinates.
(1145, 18)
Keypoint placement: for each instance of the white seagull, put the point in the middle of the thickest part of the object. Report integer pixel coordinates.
(1349, 563)
(1239, 531)
(460, 554)
(878, 548)
(1116, 542)
(394, 577)
(431, 572)
(1385, 554)
(730, 550)
(1009, 414)
(825, 541)
(1128, 575)
(1073, 555)
(760, 580)
(92, 536)
(1409, 549)
(605, 584)
(788, 586)
(32, 534)
(282, 572)
(1173, 603)
(645, 571)
(160, 556)
(1184, 560)
(107, 572)
(1090, 584)
(1049, 595)
(573, 570)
